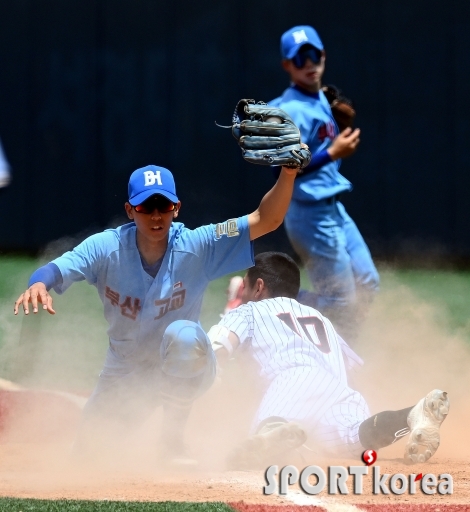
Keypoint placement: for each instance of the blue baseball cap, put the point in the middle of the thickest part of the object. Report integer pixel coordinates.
(296, 37)
(150, 180)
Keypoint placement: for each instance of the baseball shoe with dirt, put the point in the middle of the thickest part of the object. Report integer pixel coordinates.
(424, 421)
(273, 439)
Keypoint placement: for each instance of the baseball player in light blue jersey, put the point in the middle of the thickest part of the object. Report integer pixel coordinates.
(302, 362)
(150, 275)
(337, 259)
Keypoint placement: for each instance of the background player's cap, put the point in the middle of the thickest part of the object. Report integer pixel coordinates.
(296, 37)
(150, 180)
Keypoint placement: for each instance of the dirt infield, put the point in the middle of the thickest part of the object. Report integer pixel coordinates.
(47, 471)
(36, 461)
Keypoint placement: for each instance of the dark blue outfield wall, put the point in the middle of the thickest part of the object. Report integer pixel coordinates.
(91, 90)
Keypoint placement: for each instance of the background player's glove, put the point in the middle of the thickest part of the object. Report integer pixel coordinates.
(341, 107)
(268, 136)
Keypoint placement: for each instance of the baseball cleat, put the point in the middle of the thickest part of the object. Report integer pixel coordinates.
(424, 421)
(258, 451)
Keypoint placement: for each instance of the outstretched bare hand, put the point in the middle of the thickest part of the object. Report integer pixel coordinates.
(36, 293)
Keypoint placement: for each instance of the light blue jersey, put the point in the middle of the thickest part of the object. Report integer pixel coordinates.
(138, 307)
(311, 112)
(321, 232)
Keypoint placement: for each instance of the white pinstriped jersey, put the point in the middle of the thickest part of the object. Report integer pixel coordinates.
(285, 334)
(304, 359)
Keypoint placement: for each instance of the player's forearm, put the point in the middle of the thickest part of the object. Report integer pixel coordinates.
(223, 343)
(273, 206)
(48, 274)
(318, 161)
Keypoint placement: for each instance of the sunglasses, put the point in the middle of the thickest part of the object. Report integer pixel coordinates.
(155, 202)
(305, 53)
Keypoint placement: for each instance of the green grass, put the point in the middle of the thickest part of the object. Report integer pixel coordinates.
(14, 274)
(62, 351)
(31, 505)
(448, 291)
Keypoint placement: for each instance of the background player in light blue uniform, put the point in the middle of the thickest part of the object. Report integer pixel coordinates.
(337, 259)
(4, 169)
(151, 275)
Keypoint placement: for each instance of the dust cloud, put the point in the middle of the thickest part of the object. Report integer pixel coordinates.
(406, 351)
(409, 351)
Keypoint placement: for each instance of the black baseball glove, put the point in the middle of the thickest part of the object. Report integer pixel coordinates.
(268, 136)
(342, 108)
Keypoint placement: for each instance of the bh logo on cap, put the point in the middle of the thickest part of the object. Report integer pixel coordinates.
(150, 180)
(293, 39)
(152, 177)
(299, 36)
